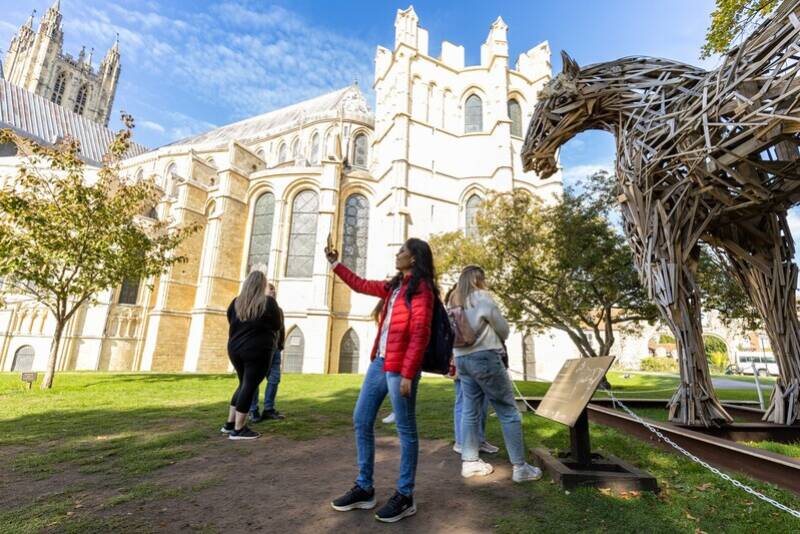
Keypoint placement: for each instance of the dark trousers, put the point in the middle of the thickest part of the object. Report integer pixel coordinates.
(250, 370)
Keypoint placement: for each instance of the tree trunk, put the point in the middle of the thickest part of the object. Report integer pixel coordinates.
(47, 383)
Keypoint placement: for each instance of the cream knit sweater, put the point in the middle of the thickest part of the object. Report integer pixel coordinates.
(481, 309)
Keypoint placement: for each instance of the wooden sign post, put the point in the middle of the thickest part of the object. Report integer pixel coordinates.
(565, 402)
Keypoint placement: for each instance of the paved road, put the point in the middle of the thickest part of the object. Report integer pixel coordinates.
(727, 383)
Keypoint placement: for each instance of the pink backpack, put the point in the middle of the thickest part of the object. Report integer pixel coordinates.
(465, 335)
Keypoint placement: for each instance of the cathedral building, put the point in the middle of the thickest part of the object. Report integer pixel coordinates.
(269, 190)
(36, 62)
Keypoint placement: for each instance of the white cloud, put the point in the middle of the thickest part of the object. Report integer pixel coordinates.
(579, 172)
(150, 125)
(241, 57)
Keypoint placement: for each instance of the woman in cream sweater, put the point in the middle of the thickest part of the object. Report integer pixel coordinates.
(481, 370)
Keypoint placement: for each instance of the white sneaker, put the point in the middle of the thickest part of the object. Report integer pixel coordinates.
(477, 468)
(488, 448)
(389, 419)
(526, 472)
(457, 448)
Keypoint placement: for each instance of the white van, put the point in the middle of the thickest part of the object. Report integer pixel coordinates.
(764, 363)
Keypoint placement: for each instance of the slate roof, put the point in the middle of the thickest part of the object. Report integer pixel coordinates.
(327, 105)
(43, 121)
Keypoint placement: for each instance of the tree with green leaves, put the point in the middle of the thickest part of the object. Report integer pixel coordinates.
(732, 18)
(721, 291)
(559, 265)
(65, 236)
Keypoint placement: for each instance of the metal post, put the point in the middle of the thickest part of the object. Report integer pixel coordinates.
(579, 441)
(758, 386)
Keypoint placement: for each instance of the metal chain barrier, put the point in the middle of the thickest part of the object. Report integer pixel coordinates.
(697, 460)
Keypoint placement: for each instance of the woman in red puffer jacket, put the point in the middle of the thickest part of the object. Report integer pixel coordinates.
(403, 333)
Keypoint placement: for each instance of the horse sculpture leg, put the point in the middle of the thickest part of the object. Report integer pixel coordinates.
(763, 263)
(667, 263)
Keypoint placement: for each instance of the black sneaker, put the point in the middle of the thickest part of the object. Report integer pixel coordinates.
(243, 433)
(398, 507)
(227, 428)
(272, 414)
(356, 498)
(256, 417)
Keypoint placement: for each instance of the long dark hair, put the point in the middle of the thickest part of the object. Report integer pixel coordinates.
(422, 269)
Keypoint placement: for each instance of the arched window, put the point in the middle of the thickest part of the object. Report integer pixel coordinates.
(515, 114)
(282, 153)
(296, 150)
(23, 359)
(356, 228)
(360, 151)
(471, 215)
(171, 180)
(327, 148)
(292, 357)
(314, 155)
(80, 100)
(260, 154)
(303, 235)
(261, 233)
(473, 114)
(129, 291)
(348, 353)
(58, 88)
(139, 175)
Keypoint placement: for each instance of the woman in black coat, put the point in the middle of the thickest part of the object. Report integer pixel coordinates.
(254, 319)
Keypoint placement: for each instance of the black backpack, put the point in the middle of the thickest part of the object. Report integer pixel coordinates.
(440, 346)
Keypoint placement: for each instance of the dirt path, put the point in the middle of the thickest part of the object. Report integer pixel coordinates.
(279, 485)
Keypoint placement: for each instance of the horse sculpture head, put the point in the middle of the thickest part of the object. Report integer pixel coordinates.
(561, 112)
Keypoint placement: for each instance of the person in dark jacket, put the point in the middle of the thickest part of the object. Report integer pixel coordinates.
(403, 334)
(254, 320)
(273, 377)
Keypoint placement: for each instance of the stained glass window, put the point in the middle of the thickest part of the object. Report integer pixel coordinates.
(473, 114)
(129, 292)
(360, 151)
(515, 114)
(58, 88)
(261, 232)
(471, 214)
(302, 235)
(80, 100)
(356, 230)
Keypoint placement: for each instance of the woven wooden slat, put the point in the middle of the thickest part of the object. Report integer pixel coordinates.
(701, 155)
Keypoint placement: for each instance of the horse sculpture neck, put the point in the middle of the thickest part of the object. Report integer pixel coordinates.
(618, 93)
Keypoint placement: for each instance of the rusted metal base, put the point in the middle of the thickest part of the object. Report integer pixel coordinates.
(603, 472)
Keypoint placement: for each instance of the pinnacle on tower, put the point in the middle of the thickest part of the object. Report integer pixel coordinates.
(29, 23)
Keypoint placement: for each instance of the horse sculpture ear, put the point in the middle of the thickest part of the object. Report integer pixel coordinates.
(569, 66)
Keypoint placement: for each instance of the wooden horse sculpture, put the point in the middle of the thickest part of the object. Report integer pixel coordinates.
(701, 155)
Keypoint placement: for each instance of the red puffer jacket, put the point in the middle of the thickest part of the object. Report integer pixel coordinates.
(409, 330)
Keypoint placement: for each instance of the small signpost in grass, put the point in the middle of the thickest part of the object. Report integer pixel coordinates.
(565, 403)
(29, 377)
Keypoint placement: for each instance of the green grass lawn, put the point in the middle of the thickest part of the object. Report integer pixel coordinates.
(125, 427)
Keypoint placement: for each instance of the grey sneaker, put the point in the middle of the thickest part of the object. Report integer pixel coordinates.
(526, 472)
(488, 448)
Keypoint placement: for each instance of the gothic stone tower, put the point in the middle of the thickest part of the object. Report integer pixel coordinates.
(35, 61)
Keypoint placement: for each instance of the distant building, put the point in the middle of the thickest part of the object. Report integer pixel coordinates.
(36, 62)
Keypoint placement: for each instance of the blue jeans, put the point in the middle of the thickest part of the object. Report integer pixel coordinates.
(377, 384)
(458, 409)
(483, 374)
(273, 379)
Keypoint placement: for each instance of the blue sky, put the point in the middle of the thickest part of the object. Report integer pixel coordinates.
(190, 65)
